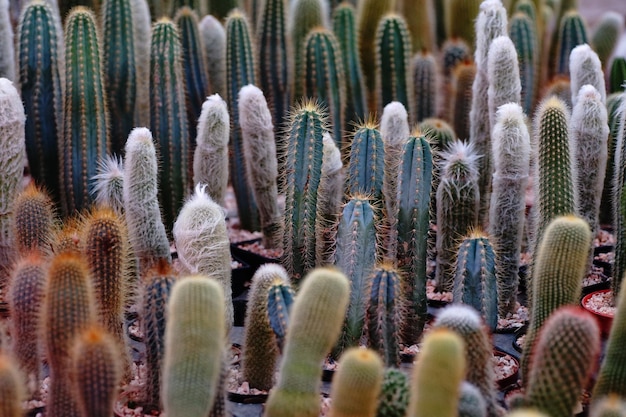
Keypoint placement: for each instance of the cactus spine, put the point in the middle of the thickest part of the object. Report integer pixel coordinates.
(12, 388)
(367, 163)
(357, 385)
(612, 109)
(214, 42)
(571, 33)
(425, 84)
(511, 154)
(259, 149)
(168, 118)
(195, 338)
(504, 78)
(585, 68)
(118, 60)
(523, 33)
(86, 116)
(317, 315)
(108, 186)
(39, 46)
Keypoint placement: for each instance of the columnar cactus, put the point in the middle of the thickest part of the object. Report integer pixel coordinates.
(454, 52)
(316, 318)
(457, 207)
(168, 118)
(357, 385)
(394, 394)
(619, 186)
(367, 163)
(420, 18)
(109, 183)
(195, 338)
(604, 38)
(33, 221)
(571, 33)
(617, 75)
(12, 387)
(425, 85)
(523, 34)
(142, 27)
(585, 68)
(86, 116)
(7, 60)
(504, 78)
(613, 102)
(511, 155)
(563, 359)
(203, 245)
(40, 45)
(214, 42)
(119, 63)
(459, 19)
(463, 80)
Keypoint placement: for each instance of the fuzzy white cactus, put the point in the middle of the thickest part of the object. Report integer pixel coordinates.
(214, 42)
(585, 68)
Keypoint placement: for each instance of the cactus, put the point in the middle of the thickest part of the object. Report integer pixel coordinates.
(168, 119)
(560, 265)
(86, 116)
(618, 203)
(384, 313)
(425, 84)
(33, 221)
(393, 52)
(585, 68)
(419, 14)
(203, 246)
(39, 46)
(12, 387)
(460, 16)
(274, 47)
(240, 71)
(454, 52)
(26, 296)
(471, 401)
(344, 28)
(195, 338)
(475, 277)
(96, 371)
(357, 385)
(606, 206)
(214, 42)
(441, 354)
(329, 198)
(146, 231)
(210, 162)
(302, 178)
(67, 238)
(221, 8)
(109, 183)
(511, 155)
(609, 406)
(7, 62)
(356, 257)
(154, 293)
(604, 38)
(11, 167)
(394, 394)
(367, 163)
(457, 207)
(523, 34)
(69, 309)
(563, 360)
(463, 80)
(315, 323)
(414, 187)
(118, 61)
(617, 76)
(438, 132)
(322, 77)
(467, 323)
(142, 27)
(571, 33)
(261, 346)
(259, 149)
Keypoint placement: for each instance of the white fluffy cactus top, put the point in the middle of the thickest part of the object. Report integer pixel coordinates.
(585, 68)
(511, 150)
(460, 162)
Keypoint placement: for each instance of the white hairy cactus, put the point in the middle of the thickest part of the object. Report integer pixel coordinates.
(504, 80)
(214, 42)
(142, 30)
(109, 183)
(585, 68)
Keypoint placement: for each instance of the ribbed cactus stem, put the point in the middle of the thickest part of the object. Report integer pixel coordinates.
(585, 68)
(33, 221)
(504, 78)
(142, 32)
(563, 359)
(142, 212)
(86, 116)
(619, 209)
(317, 315)
(357, 384)
(617, 75)
(12, 387)
(523, 33)
(214, 42)
(203, 245)
(613, 102)
(259, 149)
(96, 370)
(463, 79)
(571, 33)
(367, 163)
(511, 156)
(195, 338)
(394, 394)
(7, 58)
(424, 70)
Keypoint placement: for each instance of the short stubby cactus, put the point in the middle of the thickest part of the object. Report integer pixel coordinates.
(33, 221)
(394, 394)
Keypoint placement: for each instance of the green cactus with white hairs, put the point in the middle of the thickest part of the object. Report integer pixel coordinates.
(367, 163)
(203, 246)
(424, 70)
(214, 41)
(613, 102)
(108, 186)
(562, 361)
(195, 339)
(585, 68)
(86, 116)
(394, 394)
(315, 323)
(259, 149)
(12, 387)
(357, 385)
(523, 34)
(619, 201)
(511, 156)
(606, 35)
(267, 318)
(572, 32)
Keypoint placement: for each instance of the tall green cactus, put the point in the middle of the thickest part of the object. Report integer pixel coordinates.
(214, 42)
(619, 208)
(168, 118)
(606, 34)
(323, 78)
(195, 338)
(571, 33)
(118, 63)
(454, 52)
(86, 117)
(40, 46)
(240, 71)
(33, 221)
(12, 387)
(617, 75)
(523, 34)
(457, 207)
(108, 186)
(393, 73)
(317, 315)
(367, 163)
(414, 187)
(511, 156)
(563, 359)
(424, 71)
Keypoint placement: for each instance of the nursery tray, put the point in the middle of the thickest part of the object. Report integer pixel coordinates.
(251, 258)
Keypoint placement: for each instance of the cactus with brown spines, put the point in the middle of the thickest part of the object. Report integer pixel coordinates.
(12, 387)
(214, 42)
(454, 52)
(585, 68)
(34, 221)
(463, 80)
(67, 237)
(424, 71)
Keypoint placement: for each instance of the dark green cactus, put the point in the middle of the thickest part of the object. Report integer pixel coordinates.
(571, 33)
(425, 85)
(393, 73)
(523, 33)
(563, 359)
(168, 118)
(118, 63)
(344, 28)
(607, 33)
(414, 188)
(323, 77)
(438, 132)
(613, 102)
(240, 71)
(617, 76)
(394, 394)
(384, 315)
(221, 8)
(33, 221)
(40, 54)
(86, 117)
(367, 163)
